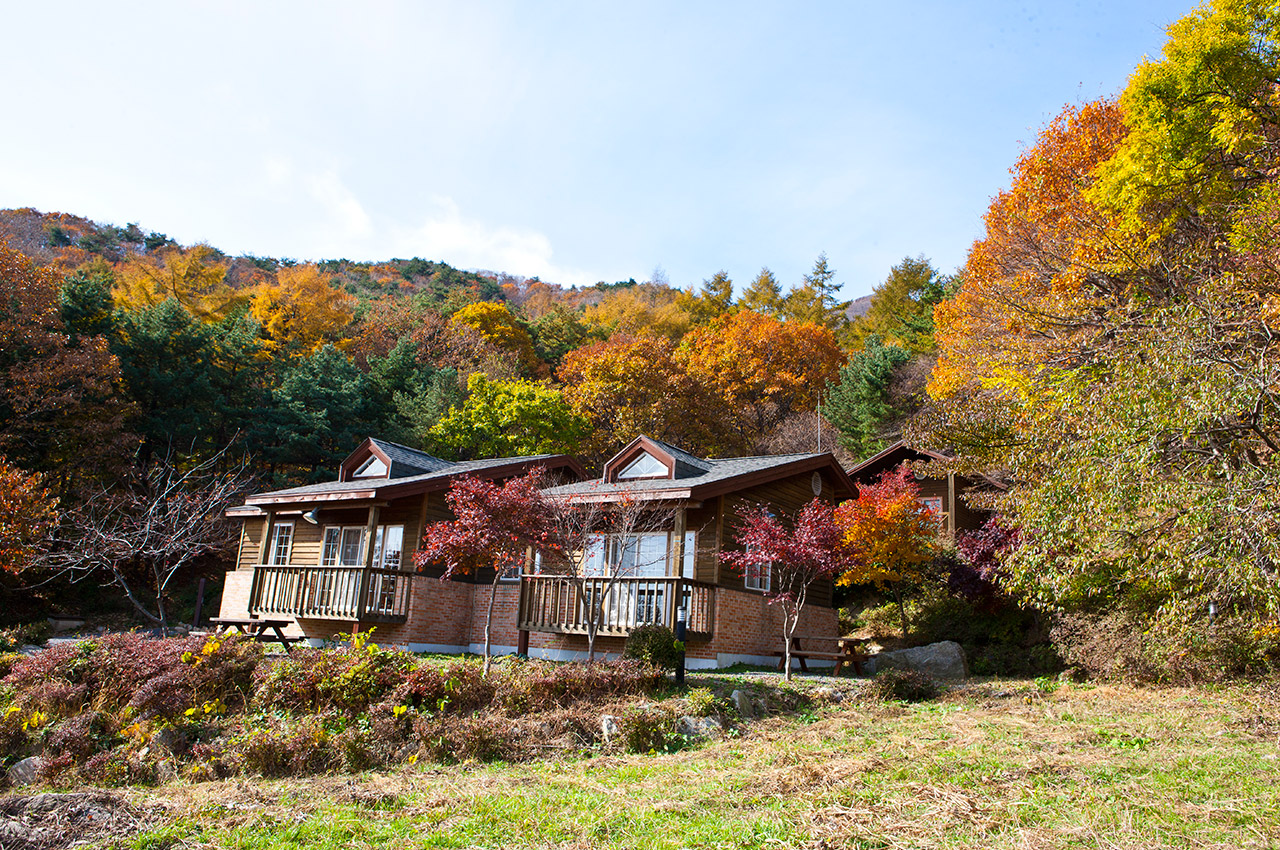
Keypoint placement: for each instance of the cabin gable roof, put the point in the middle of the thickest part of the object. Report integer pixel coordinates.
(695, 478)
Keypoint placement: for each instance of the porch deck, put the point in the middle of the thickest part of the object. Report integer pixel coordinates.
(351, 594)
(556, 604)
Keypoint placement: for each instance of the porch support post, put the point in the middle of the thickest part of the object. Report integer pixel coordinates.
(366, 558)
(951, 503)
(677, 545)
(264, 545)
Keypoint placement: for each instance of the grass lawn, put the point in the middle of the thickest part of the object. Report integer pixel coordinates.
(991, 765)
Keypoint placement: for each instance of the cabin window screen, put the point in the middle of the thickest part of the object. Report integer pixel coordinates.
(281, 543)
(645, 466)
(934, 505)
(758, 577)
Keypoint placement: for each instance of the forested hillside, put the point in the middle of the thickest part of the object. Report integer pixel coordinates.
(1112, 352)
(1107, 353)
(132, 362)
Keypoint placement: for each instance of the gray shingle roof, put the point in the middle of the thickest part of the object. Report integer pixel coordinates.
(686, 464)
(375, 484)
(714, 470)
(406, 461)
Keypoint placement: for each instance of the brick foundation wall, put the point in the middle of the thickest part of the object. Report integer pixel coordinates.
(449, 616)
(235, 594)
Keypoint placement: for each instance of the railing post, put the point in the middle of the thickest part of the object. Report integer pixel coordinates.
(371, 529)
(681, 631)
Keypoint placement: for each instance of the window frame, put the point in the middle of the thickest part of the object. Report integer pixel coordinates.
(273, 556)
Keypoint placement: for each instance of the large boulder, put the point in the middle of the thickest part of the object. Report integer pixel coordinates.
(943, 660)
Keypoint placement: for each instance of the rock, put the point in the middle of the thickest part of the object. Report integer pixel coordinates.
(609, 727)
(742, 703)
(172, 739)
(698, 727)
(944, 660)
(26, 771)
(165, 771)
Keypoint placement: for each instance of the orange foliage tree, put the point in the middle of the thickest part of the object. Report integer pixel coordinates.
(28, 512)
(195, 277)
(60, 405)
(761, 369)
(633, 385)
(1032, 283)
(890, 533)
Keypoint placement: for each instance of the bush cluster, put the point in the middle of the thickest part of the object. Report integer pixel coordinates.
(903, 685)
(128, 709)
(653, 644)
(1172, 649)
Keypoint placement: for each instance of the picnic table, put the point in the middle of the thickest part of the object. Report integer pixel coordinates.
(849, 652)
(256, 628)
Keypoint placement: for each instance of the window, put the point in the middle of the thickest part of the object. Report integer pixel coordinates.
(371, 468)
(645, 466)
(687, 569)
(342, 547)
(281, 543)
(759, 577)
(388, 546)
(934, 505)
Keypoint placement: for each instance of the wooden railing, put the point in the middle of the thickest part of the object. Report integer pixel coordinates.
(331, 593)
(551, 603)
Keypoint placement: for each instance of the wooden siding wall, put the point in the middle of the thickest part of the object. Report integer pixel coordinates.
(308, 539)
(786, 497)
(250, 542)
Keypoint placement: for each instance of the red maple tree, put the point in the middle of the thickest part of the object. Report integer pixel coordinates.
(795, 558)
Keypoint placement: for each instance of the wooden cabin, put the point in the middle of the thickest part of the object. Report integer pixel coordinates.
(678, 567)
(338, 556)
(944, 494)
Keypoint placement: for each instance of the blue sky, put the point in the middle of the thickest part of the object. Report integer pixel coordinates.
(574, 141)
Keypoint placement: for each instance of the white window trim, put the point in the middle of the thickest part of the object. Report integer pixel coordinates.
(379, 558)
(762, 581)
(276, 529)
(623, 474)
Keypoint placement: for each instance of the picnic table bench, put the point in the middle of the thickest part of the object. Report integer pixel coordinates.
(849, 652)
(257, 628)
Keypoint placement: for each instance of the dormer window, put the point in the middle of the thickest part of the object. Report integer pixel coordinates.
(645, 466)
(371, 468)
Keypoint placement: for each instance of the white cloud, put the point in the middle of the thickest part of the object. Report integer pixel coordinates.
(466, 242)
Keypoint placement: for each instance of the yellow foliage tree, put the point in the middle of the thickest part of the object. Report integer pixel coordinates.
(301, 312)
(644, 309)
(195, 277)
(493, 321)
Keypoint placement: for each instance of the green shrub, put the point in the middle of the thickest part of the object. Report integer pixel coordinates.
(701, 702)
(903, 685)
(883, 620)
(654, 644)
(648, 729)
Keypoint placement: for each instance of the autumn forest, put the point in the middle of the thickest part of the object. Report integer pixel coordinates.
(1106, 354)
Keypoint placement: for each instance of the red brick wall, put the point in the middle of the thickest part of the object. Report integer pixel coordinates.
(235, 594)
(449, 616)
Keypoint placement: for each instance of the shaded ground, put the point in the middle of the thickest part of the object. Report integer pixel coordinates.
(46, 821)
